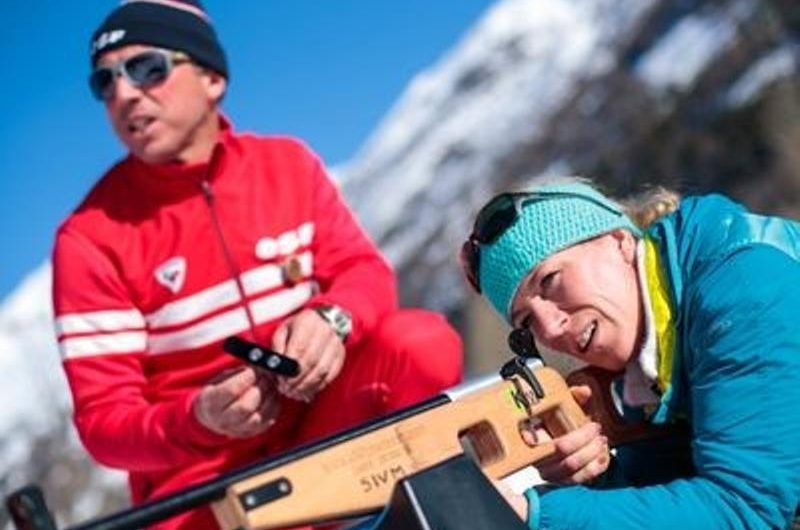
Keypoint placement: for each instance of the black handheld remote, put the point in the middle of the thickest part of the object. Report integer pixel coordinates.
(265, 358)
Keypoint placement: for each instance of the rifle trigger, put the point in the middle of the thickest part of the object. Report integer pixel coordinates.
(517, 366)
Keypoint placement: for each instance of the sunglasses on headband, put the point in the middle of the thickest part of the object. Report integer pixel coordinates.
(498, 215)
(492, 221)
(143, 70)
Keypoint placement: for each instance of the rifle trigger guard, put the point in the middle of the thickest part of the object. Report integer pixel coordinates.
(517, 366)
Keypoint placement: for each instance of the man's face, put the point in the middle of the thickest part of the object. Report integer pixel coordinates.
(585, 301)
(173, 121)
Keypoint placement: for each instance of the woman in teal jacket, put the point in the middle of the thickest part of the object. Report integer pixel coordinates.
(699, 310)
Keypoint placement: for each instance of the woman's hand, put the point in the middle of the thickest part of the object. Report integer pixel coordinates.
(580, 455)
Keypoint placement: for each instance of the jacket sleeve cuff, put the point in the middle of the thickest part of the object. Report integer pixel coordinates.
(197, 433)
(533, 508)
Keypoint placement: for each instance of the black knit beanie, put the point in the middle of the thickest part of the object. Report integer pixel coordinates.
(180, 25)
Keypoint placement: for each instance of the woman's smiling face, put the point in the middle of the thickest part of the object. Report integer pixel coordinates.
(585, 301)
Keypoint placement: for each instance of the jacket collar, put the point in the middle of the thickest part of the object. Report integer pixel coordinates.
(176, 180)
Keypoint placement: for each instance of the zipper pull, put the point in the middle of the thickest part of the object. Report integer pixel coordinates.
(208, 193)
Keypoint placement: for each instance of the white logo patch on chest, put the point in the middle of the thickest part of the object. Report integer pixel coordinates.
(284, 244)
(172, 273)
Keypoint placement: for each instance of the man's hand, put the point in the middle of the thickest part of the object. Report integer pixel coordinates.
(311, 341)
(240, 403)
(581, 455)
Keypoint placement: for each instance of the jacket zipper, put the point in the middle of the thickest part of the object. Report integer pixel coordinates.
(233, 268)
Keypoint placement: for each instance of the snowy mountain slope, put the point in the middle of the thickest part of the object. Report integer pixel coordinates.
(28, 357)
(497, 87)
(539, 88)
(37, 441)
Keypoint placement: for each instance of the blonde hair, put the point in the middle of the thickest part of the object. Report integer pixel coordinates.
(646, 207)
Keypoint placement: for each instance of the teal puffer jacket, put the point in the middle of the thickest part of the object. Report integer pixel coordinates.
(735, 286)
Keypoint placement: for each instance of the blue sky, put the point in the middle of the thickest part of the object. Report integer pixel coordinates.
(326, 71)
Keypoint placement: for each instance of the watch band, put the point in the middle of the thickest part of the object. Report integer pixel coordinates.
(339, 319)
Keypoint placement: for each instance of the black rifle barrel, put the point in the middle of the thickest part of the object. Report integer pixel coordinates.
(29, 510)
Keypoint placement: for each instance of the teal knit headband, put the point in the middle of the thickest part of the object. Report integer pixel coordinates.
(576, 212)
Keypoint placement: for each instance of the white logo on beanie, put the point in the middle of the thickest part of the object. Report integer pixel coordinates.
(107, 38)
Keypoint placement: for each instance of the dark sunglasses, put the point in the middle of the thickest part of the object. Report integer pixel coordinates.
(492, 221)
(499, 214)
(143, 70)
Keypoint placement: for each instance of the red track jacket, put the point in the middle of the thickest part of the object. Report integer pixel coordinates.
(144, 294)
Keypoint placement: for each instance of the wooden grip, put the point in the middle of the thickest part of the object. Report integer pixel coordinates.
(357, 475)
(602, 409)
(559, 413)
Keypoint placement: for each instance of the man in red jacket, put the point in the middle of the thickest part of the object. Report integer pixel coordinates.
(200, 234)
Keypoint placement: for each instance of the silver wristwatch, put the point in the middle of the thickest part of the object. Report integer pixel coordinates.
(339, 319)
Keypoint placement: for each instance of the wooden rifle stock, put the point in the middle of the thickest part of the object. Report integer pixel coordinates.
(602, 409)
(353, 473)
(355, 476)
